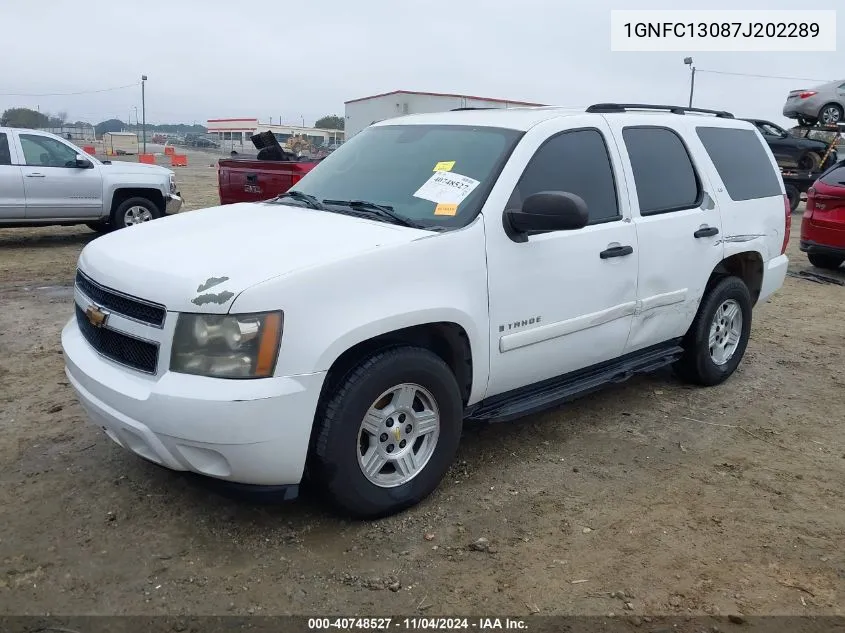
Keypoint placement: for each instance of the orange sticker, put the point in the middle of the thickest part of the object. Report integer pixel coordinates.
(446, 209)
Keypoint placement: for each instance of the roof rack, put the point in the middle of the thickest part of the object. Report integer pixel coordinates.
(624, 107)
(460, 109)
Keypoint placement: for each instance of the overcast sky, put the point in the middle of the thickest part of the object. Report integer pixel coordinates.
(245, 58)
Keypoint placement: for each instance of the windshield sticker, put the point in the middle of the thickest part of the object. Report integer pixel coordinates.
(444, 165)
(445, 186)
(446, 208)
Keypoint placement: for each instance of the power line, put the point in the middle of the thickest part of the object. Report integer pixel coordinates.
(722, 72)
(65, 94)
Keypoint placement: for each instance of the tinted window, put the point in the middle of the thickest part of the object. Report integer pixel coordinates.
(43, 151)
(742, 162)
(576, 162)
(663, 171)
(835, 177)
(5, 154)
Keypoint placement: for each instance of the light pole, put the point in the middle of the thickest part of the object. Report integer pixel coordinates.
(143, 113)
(688, 62)
(136, 117)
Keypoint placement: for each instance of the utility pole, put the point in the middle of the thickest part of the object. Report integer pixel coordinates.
(688, 62)
(143, 112)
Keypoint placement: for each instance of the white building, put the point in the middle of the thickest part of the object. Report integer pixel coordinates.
(235, 133)
(361, 113)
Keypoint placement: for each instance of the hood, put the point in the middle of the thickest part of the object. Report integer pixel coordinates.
(125, 167)
(200, 261)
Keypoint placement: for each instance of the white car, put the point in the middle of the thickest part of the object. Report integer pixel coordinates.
(477, 264)
(46, 180)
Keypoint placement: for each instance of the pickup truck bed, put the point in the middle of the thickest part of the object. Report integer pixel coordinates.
(271, 173)
(251, 180)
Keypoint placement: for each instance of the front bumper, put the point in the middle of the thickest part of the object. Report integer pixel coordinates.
(173, 203)
(243, 431)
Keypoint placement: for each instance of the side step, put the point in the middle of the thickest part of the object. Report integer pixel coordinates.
(556, 391)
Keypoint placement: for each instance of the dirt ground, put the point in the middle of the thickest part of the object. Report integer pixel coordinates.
(718, 501)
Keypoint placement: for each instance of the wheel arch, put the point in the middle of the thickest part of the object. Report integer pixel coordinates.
(828, 104)
(747, 265)
(447, 339)
(123, 194)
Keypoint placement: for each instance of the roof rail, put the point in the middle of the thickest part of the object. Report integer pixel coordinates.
(460, 109)
(624, 107)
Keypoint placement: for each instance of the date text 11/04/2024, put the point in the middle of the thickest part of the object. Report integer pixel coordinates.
(416, 623)
(722, 29)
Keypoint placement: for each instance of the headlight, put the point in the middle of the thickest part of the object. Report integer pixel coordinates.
(172, 183)
(227, 346)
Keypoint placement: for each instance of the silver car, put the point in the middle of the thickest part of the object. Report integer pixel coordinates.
(823, 104)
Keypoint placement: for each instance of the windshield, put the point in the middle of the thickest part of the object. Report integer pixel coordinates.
(434, 175)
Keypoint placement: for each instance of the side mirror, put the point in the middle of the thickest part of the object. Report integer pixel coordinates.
(82, 162)
(549, 211)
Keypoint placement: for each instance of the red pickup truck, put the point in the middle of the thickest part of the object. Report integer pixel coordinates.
(271, 173)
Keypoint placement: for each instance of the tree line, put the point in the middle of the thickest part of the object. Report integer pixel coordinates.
(33, 119)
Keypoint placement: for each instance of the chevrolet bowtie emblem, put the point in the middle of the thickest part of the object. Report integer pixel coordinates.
(397, 433)
(96, 316)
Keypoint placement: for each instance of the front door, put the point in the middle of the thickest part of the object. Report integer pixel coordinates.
(564, 300)
(55, 187)
(12, 199)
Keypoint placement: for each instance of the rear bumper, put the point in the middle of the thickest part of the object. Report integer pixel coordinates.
(814, 248)
(774, 274)
(173, 203)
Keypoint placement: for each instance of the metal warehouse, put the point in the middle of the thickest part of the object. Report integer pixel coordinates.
(363, 112)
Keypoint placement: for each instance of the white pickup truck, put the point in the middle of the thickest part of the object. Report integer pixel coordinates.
(461, 265)
(46, 180)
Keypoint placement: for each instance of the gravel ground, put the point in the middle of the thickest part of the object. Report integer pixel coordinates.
(647, 498)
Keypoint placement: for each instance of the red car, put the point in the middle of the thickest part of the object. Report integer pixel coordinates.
(823, 225)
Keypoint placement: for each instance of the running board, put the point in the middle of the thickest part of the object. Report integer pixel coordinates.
(556, 391)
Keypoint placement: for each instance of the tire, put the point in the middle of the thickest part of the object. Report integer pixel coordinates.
(831, 114)
(142, 208)
(794, 197)
(810, 161)
(342, 446)
(828, 262)
(103, 226)
(697, 365)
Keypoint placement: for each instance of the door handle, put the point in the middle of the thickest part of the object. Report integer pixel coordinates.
(35, 175)
(706, 231)
(616, 251)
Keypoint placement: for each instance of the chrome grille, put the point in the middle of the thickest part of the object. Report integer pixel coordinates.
(114, 301)
(121, 348)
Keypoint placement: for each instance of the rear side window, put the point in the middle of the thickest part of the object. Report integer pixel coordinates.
(742, 162)
(663, 172)
(5, 153)
(576, 162)
(835, 177)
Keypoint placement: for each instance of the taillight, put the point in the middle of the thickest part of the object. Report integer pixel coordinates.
(806, 94)
(811, 203)
(787, 224)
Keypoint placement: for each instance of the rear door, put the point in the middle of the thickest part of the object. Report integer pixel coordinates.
(12, 198)
(677, 221)
(55, 187)
(749, 188)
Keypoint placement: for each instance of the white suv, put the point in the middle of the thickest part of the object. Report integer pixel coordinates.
(463, 265)
(46, 180)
